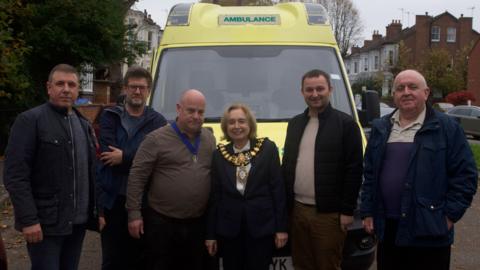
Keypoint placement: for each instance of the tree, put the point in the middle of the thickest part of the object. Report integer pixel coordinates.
(404, 59)
(460, 64)
(91, 32)
(371, 82)
(345, 21)
(37, 35)
(133, 46)
(444, 73)
(14, 83)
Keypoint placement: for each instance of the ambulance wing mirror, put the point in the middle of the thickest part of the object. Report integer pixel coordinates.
(370, 107)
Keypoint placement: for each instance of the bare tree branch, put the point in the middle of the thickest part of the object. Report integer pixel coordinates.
(345, 21)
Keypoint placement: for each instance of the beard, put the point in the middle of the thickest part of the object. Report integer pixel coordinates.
(135, 102)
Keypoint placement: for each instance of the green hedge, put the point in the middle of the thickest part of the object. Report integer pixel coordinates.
(476, 153)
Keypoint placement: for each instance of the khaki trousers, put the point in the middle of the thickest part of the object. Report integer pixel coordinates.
(317, 239)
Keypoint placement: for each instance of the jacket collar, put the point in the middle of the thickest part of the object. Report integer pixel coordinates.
(385, 123)
(58, 109)
(322, 115)
(64, 111)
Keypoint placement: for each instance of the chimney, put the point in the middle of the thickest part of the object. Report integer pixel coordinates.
(394, 29)
(366, 43)
(376, 36)
(355, 49)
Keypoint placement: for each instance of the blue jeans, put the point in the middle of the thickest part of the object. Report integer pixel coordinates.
(58, 252)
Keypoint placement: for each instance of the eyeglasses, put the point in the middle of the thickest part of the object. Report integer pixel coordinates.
(142, 88)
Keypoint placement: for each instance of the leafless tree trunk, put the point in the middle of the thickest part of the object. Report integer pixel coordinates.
(345, 21)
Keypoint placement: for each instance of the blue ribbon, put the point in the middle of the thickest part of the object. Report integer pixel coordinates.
(192, 148)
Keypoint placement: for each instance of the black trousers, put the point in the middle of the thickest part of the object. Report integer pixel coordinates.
(244, 252)
(174, 244)
(392, 257)
(120, 250)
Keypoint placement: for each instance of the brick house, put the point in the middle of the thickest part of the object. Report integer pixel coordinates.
(474, 72)
(380, 53)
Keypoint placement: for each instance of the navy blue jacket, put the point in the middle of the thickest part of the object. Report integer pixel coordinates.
(262, 207)
(112, 133)
(440, 182)
(40, 169)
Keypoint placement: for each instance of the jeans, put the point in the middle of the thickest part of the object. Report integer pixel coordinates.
(58, 252)
(119, 249)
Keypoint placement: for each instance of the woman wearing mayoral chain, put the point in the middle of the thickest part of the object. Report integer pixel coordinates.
(247, 213)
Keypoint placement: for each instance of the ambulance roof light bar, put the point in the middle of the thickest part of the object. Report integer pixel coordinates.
(316, 13)
(179, 15)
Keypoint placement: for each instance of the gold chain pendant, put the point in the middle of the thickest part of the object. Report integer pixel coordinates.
(242, 174)
(243, 158)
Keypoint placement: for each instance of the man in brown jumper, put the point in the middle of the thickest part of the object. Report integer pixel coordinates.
(172, 166)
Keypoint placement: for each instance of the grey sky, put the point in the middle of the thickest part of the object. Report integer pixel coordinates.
(375, 15)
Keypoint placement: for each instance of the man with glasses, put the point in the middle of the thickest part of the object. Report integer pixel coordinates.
(122, 129)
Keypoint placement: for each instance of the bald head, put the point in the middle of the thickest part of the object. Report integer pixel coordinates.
(191, 94)
(410, 94)
(411, 73)
(190, 112)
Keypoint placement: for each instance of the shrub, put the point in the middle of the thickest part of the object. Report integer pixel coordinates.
(460, 97)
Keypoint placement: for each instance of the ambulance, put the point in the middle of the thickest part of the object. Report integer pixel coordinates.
(255, 55)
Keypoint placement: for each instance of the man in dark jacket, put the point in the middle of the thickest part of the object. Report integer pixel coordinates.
(49, 174)
(420, 177)
(322, 166)
(122, 129)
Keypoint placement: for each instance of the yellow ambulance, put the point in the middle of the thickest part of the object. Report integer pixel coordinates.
(254, 55)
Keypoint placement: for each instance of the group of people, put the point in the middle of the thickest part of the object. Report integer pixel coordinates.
(164, 195)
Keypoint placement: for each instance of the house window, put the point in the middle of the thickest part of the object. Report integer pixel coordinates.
(150, 37)
(451, 34)
(365, 64)
(390, 58)
(376, 62)
(355, 67)
(435, 33)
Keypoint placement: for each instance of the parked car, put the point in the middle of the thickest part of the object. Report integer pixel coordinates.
(443, 106)
(469, 119)
(385, 109)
